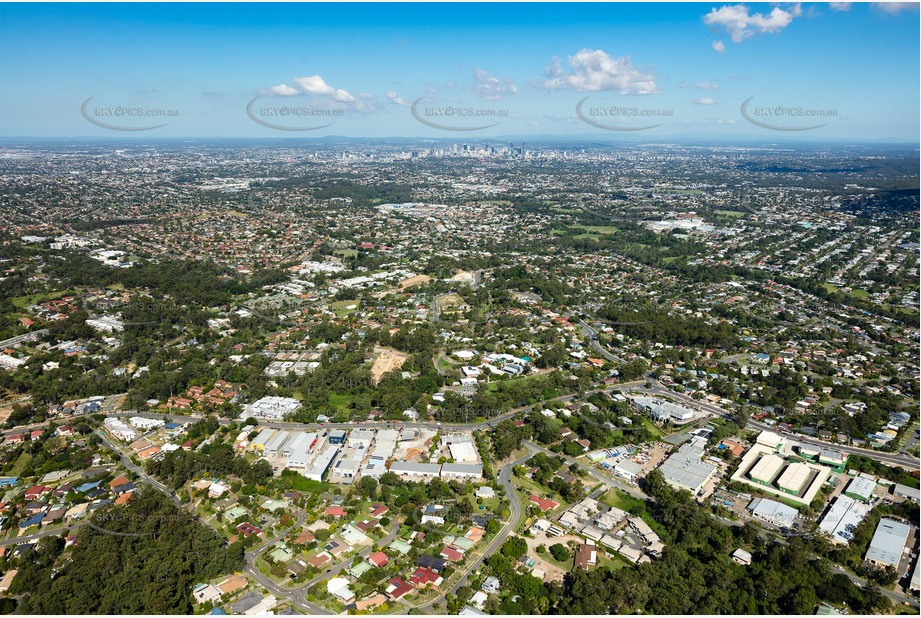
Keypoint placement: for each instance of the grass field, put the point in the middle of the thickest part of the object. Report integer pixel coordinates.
(306, 485)
(735, 214)
(830, 288)
(346, 252)
(20, 464)
(593, 231)
(653, 428)
(21, 302)
(494, 385)
(342, 307)
(859, 293)
(340, 402)
(620, 500)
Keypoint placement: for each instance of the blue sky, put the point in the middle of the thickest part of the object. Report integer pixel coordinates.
(674, 70)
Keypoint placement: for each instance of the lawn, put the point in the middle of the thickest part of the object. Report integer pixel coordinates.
(494, 385)
(340, 402)
(612, 563)
(595, 231)
(620, 500)
(831, 289)
(858, 293)
(20, 464)
(653, 428)
(21, 302)
(347, 253)
(344, 307)
(306, 485)
(671, 258)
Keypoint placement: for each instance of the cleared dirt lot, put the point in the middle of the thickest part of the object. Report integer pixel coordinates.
(417, 280)
(387, 360)
(552, 572)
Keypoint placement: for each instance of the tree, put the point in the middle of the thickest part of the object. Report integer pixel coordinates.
(514, 547)
(367, 487)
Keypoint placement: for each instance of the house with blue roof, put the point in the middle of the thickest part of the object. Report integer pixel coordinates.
(82, 489)
(32, 521)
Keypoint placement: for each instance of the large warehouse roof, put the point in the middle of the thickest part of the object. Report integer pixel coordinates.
(888, 542)
(766, 468)
(862, 487)
(842, 518)
(685, 469)
(794, 477)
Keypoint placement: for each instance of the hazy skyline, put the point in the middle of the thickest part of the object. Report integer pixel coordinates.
(840, 70)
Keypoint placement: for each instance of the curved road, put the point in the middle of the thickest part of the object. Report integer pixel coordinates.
(505, 479)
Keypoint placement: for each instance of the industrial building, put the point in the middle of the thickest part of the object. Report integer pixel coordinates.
(415, 471)
(375, 467)
(274, 446)
(361, 439)
(861, 488)
(685, 470)
(888, 543)
(794, 478)
(460, 471)
(767, 469)
(770, 440)
(662, 410)
(337, 436)
(842, 518)
(321, 464)
(260, 441)
(300, 440)
(773, 512)
(628, 469)
(464, 452)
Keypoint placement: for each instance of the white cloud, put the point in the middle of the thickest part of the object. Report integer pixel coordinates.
(594, 70)
(719, 47)
(395, 98)
(741, 25)
(316, 85)
(894, 8)
(490, 87)
(840, 6)
(281, 90)
(702, 101)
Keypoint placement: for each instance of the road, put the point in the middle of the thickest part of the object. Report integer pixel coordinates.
(896, 597)
(126, 461)
(36, 334)
(345, 564)
(592, 335)
(893, 459)
(253, 572)
(505, 479)
(38, 535)
(903, 460)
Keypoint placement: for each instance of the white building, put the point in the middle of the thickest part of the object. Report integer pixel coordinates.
(415, 471)
(321, 464)
(120, 430)
(146, 424)
(275, 408)
(464, 472)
